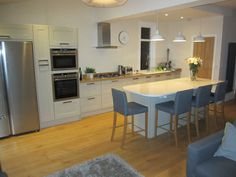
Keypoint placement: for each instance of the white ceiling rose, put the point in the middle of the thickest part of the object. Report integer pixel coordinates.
(104, 3)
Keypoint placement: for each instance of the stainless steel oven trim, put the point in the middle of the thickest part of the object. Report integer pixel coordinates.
(71, 53)
(70, 98)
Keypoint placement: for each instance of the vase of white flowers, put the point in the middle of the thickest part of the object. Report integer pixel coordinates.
(194, 64)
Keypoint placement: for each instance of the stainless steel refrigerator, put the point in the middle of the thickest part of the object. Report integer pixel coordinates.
(18, 104)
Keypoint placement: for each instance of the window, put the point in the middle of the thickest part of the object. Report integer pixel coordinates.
(145, 48)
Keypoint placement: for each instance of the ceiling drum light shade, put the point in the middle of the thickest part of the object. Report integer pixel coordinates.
(199, 38)
(157, 37)
(180, 38)
(104, 3)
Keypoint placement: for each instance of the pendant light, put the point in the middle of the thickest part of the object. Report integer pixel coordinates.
(180, 37)
(157, 37)
(199, 38)
(104, 3)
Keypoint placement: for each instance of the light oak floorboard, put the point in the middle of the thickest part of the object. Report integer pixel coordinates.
(56, 148)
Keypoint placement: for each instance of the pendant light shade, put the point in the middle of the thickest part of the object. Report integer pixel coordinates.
(199, 38)
(157, 37)
(180, 38)
(104, 3)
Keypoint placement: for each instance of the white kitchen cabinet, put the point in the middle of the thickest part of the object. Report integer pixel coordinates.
(67, 109)
(106, 91)
(93, 103)
(90, 89)
(63, 37)
(17, 32)
(43, 73)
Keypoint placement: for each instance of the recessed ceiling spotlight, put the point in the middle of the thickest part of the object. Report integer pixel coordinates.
(166, 15)
(182, 18)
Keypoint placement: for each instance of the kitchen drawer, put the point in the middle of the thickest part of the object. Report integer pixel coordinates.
(66, 109)
(109, 84)
(91, 104)
(134, 80)
(107, 101)
(90, 89)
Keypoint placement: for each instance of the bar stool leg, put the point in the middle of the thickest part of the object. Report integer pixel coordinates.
(156, 123)
(175, 129)
(114, 126)
(125, 130)
(223, 111)
(188, 126)
(146, 125)
(171, 123)
(207, 117)
(196, 121)
(215, 114)
(132, 124)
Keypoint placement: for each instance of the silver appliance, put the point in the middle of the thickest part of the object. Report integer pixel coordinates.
(65, 86)
(18, 104)
(104, 36)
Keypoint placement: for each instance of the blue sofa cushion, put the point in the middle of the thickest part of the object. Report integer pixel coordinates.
(216, 167)
(228, 147)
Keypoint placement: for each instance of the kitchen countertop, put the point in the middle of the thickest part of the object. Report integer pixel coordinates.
(167, 87)
(140, 74)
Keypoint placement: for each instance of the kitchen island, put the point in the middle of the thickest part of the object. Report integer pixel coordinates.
(150, 94)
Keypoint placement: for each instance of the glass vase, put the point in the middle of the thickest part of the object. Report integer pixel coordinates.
(193, 75)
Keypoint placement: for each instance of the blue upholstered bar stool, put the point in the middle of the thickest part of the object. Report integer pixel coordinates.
(201, 100)
(218, 97)
(182, 104)
(122, 106)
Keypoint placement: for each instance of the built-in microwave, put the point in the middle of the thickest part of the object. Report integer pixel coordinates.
(64, 59)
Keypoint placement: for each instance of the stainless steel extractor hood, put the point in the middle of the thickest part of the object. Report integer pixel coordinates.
(104, 36)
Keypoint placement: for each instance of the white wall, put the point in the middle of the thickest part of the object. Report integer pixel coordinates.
(74, 13)
(211, 26)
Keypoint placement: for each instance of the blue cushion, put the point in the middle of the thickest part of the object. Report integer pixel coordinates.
(135, 108)
(227, 148)
(216, 167)
(166, 107)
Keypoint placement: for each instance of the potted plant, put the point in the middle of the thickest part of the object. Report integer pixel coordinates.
(194, 64)
(90, 72)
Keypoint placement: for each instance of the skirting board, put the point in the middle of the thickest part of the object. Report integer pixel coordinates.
(59, 121)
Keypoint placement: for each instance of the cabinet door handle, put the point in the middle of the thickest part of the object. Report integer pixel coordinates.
(64, 43)
(135, 78)
(148, 77)
(92, 98)
(43, 63)
(91, 83)
(66, 102)
(5, 36)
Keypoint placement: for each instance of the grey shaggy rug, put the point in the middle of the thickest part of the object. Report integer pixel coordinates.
(109, 165)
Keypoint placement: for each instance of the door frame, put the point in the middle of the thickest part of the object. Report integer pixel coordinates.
(152, 26)
(214, 62)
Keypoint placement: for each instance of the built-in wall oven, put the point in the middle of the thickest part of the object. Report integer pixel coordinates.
(65, 86)
(64, 59)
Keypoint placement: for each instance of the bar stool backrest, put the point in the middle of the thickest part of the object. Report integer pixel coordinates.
(220, 92)
(183, 101)
(203, 96)
(120, 103)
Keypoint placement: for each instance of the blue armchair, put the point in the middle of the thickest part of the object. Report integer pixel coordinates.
(201, 163)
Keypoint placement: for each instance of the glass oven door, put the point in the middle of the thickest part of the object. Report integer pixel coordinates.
(65, 89)
(60, 62)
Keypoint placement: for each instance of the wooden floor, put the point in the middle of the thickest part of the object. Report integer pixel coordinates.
(56, 148)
